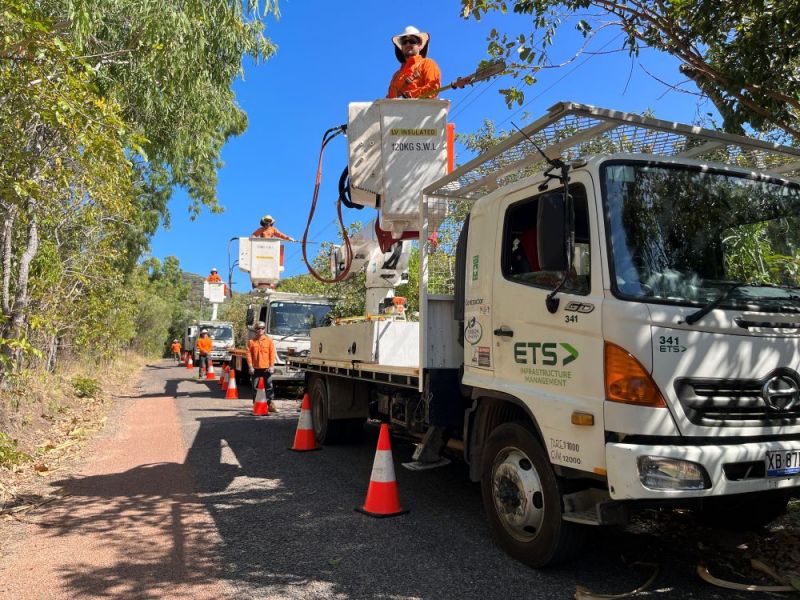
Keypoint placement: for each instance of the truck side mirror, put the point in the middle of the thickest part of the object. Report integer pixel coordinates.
(250, 316)
(551, 233)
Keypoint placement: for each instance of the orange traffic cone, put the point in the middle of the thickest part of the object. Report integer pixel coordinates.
(304, 439)
(189, 364)
(382, 497)
(260, 406)
(210, 372)
(232, 393)
(223, 379)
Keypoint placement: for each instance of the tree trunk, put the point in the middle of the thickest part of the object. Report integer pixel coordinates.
(7, 254)
(19, 313)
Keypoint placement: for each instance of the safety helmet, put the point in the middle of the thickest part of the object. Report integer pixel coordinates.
(213, 269)
(261, 325)
(203, 331)
(175, 340)
(424, 37)
(266, 219)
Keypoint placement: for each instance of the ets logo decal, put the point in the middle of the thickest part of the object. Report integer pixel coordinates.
(544, 362)
(544, 353)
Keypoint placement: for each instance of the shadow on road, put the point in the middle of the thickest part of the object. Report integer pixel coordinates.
(288, 527)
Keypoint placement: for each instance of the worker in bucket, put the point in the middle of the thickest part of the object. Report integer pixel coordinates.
(176, 350)
(418, 75)
(214, 277)
(268, 230)
(204, 347)
(261, 357)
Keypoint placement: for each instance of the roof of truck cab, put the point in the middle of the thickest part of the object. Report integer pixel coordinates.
(571, 131)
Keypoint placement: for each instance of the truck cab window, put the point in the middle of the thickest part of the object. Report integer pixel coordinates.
(520, 258)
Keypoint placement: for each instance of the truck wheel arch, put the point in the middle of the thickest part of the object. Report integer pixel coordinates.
(491, 409)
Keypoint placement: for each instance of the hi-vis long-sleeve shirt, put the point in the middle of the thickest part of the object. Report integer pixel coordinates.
(204, 345)
(269, 232)
(417, 76)
(261, 353)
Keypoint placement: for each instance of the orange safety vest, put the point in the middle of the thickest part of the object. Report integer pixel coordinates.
(261, 353)
(269, 232)
(417, 76)
(176, 347)
(204, 345)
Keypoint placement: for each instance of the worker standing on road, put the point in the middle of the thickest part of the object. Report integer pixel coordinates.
(268, 230)
(261, 357)
(419, 74)
(214, 276)
(204, 347)
(176, 350)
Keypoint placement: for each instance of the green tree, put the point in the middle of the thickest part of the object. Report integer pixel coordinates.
(744, 55)
(105, 106)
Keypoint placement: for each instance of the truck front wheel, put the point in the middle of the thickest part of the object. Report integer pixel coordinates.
(522, 499)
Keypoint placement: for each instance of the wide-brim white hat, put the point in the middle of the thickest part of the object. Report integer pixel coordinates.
(411, 30)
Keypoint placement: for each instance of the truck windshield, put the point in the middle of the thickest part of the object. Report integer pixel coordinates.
(294, 318)
(683, 235)
(220, 333)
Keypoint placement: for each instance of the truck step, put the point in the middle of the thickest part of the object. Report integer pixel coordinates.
(584, 517)
(417, 465)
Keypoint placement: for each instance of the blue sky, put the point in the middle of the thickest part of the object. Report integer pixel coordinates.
(333, 53)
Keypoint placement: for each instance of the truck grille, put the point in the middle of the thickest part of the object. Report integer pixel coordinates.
(771, 401)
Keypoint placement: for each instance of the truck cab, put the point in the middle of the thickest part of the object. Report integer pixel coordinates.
(221, 334)
(289, 319)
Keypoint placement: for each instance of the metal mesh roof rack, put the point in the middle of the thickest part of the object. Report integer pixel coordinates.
(570, 130)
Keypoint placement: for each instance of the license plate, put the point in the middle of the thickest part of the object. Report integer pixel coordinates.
(780, 463)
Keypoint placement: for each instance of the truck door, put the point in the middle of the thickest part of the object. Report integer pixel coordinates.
(551, 362)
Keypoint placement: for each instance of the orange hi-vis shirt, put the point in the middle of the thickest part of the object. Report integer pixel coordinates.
(261, 353)
(417, 76)
(269, 232)
(176, 347)
(214, 278)
(204, 345)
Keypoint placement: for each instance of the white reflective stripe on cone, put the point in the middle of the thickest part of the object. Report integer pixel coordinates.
(261, 395)
(305, 421)
(383, 467)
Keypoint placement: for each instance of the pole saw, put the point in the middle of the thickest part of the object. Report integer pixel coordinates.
(487, 71)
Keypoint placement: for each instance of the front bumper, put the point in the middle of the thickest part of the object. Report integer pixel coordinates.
(287, 374)
(623, 471)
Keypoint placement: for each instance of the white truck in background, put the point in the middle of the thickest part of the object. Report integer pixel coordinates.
(289, 319)
(609, 319)
(221, 334)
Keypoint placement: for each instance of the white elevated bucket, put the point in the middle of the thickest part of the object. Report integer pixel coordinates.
(214, 292)
(395, 149)
(261, 258)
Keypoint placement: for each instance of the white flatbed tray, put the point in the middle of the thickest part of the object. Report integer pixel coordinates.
(402, 376)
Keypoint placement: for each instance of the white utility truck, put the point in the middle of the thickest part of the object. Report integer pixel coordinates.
(221, 334)
(289, 319)
(608, 321)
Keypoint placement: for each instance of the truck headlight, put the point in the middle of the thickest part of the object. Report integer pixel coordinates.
(662, 473)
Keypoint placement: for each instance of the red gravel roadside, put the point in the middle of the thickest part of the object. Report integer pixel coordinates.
(130, 526)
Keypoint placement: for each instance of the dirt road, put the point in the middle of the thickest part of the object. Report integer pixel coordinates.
(130, 524)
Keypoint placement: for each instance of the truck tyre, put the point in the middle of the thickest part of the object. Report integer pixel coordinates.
(743, 512)
(326, 430)
(522, 499)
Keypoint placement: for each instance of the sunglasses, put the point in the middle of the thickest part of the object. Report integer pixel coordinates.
(411, 40)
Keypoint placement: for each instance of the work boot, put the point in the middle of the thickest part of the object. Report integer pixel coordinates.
(272, 407)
